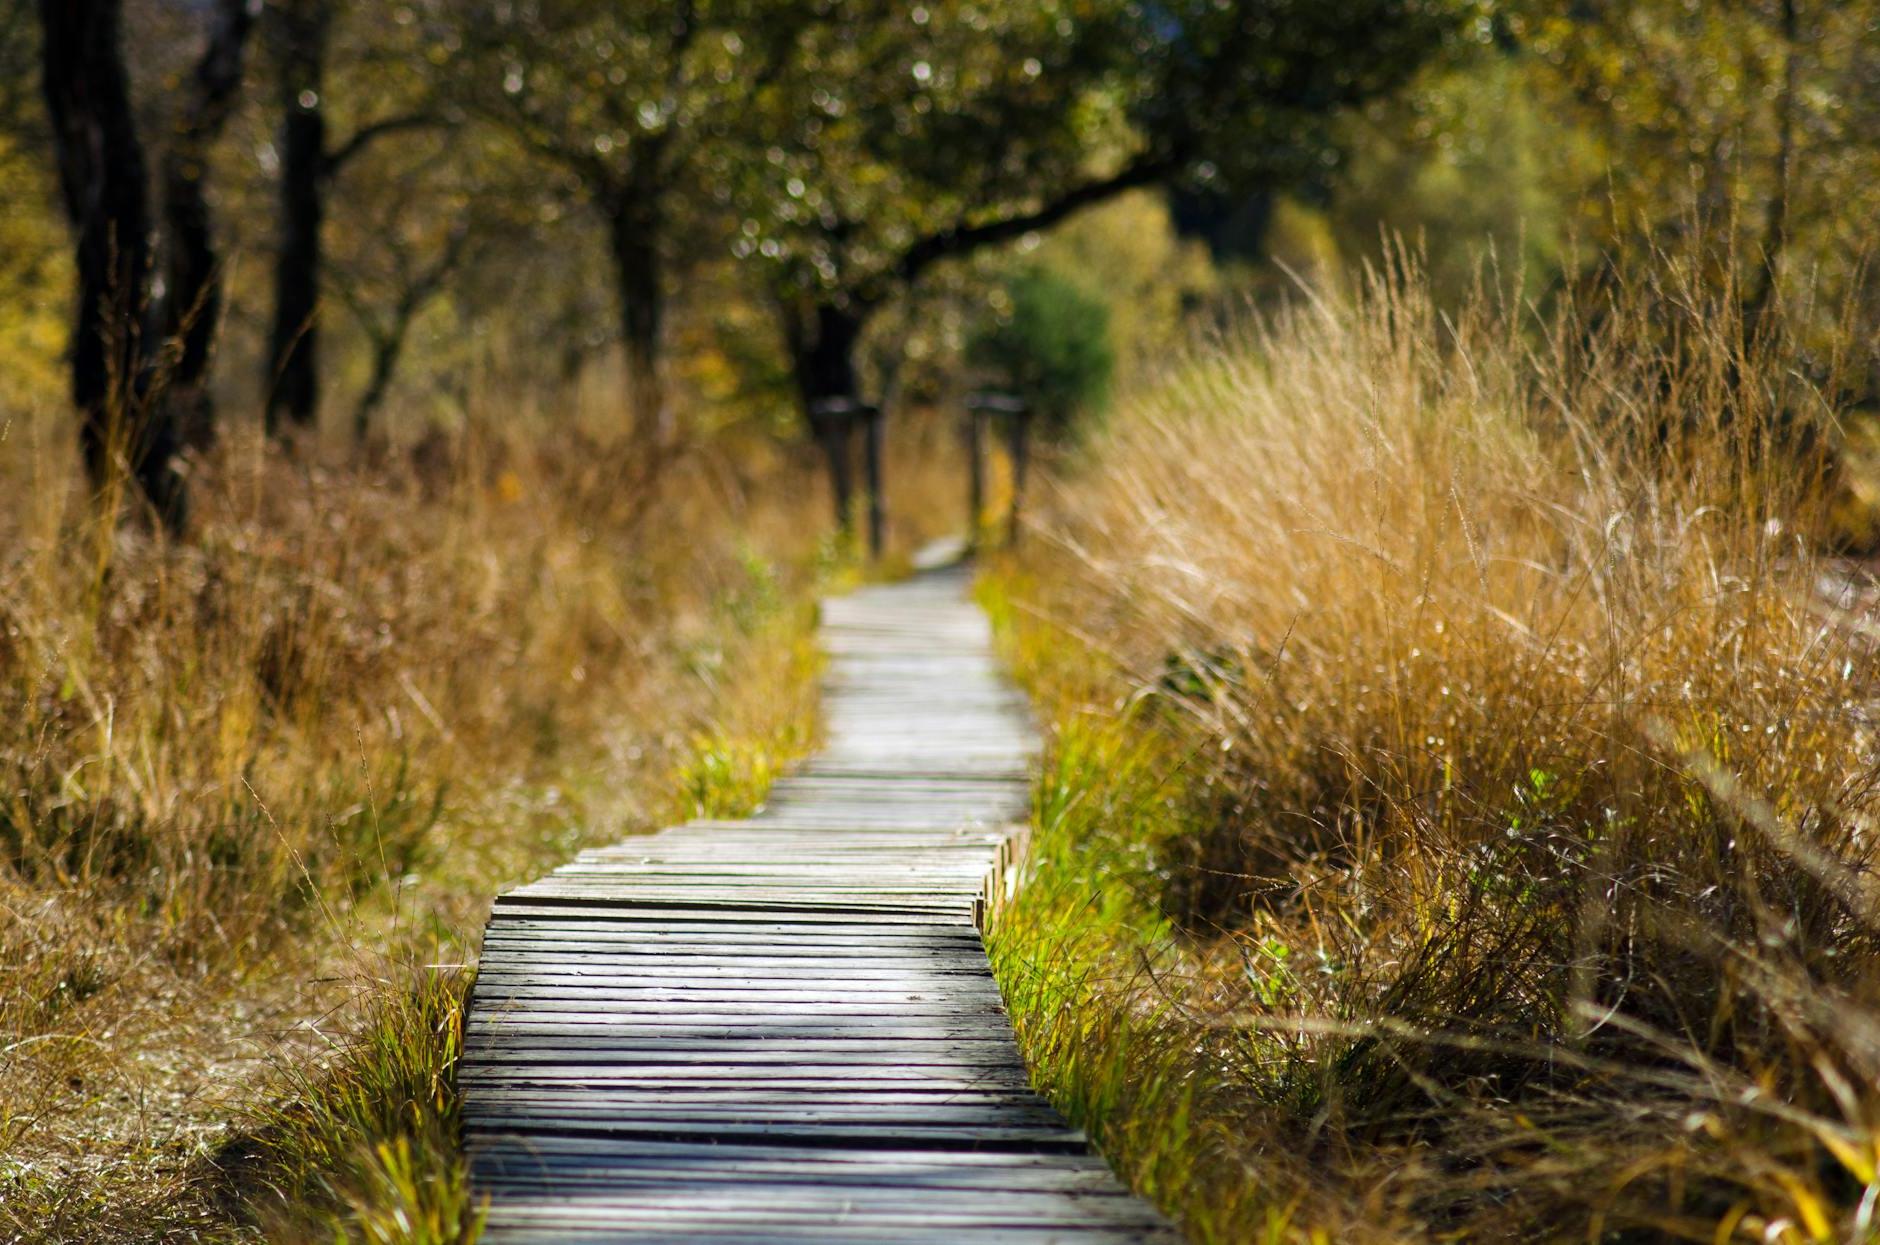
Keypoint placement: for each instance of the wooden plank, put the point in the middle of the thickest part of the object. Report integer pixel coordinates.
(1015, 1211)
(785, 1028)
(776, 1076)
(633, 909)
(856, 1234)
(573, 1172)
(921, 1158)
(519, 967)
(765, 1204)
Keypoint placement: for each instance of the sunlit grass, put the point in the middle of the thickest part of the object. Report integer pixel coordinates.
(365, 1146)
(1459, 820)
(766, 725)
(256, 781)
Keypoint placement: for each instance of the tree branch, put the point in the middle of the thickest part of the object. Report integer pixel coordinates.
(366, 135)
(960, 239)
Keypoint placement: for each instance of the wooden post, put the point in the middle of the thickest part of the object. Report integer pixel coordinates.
(1020, 432)
(877, 502)
(980, 408)
(831, 420)
(835, 420)
(976, 474)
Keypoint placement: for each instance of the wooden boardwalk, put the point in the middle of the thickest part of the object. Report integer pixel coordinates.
(785, 1028)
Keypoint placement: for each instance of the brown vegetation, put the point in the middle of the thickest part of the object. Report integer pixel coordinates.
(1491, 815)
(260, 787)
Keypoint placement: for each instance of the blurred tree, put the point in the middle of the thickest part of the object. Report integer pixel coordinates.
(1737, 134)
(417, 217)
(1130, 254)
(1466, 162)
(33, 239)
(300, 37)
(191, 308)
(414, 281)
(1048, 342)
(19, 53)
(890, 145)
(633, 103)
(102, 179)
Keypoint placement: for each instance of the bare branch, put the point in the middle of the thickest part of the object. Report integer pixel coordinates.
(366, 135)
(960, 239)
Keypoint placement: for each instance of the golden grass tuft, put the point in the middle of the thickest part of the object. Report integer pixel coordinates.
(252, 784)
(1461, 823)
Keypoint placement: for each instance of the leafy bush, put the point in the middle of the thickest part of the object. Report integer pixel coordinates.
(1050, 344)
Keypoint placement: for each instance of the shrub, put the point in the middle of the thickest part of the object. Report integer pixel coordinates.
(1051, 345)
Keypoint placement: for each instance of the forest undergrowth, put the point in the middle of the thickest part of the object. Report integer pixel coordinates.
(1459, 817)
(260, 785)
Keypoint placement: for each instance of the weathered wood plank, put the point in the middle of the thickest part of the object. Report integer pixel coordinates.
(785, 1028)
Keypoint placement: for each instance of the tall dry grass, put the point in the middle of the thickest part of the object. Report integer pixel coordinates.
(1488, 848)
(256, 784)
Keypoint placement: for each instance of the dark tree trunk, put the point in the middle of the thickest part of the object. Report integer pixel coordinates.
(293, 380)
(193, 305)
(1776, 213)
(832, 438)
(102, 180)
(822, 349)
(633, 233)
(385, 353)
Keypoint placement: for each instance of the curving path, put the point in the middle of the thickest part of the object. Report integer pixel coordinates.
(785, 1028)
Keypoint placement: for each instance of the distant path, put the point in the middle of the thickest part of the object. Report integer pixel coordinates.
(785, 1029)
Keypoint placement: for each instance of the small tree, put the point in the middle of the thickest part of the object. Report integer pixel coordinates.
(1049, 345)
(300, 35)
(636, 105)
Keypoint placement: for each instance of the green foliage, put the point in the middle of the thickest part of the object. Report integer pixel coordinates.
(889, 144)
(1578, 144)
(1050, 344)
(1078, 951)
(1466, 162)
(727, 777)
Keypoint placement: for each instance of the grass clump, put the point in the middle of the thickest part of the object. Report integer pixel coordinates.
(365, 1146)
(767, 725)
(252, 780)
(1461, 820)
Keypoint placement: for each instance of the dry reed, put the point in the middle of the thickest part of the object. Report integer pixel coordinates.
(1487, 851)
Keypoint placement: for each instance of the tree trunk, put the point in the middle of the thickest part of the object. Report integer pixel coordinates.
(633, 233)
(1776, 211)
(389, 338)
(822, 353)
(385, 352)
(293, 380)
(193, 305)
(102, 180)
(832, 437)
